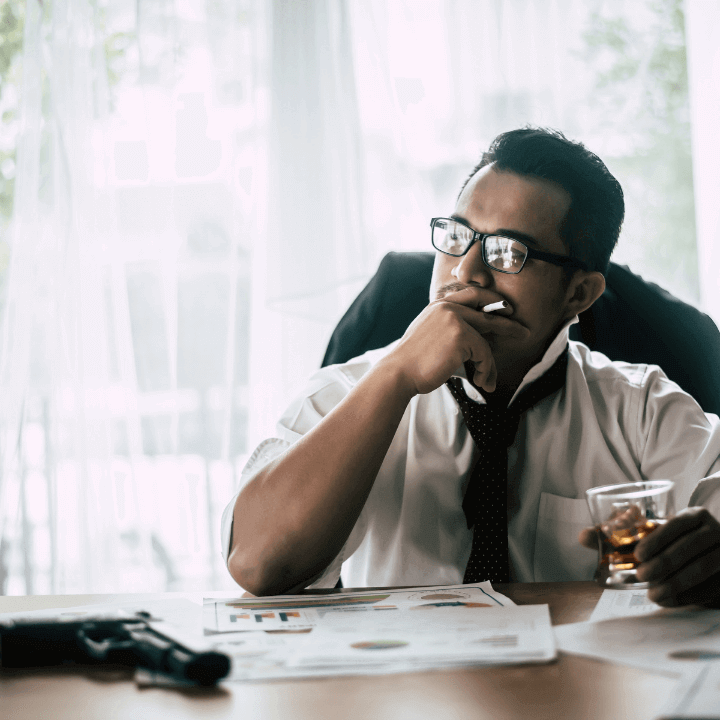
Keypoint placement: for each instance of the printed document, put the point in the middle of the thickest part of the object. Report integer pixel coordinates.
(669, 641)
(372, 632)
(621, 603)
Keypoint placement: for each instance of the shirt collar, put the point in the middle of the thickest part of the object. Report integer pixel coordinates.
(553, 352)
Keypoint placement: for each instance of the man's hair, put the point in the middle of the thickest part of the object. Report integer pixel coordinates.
(591, 227)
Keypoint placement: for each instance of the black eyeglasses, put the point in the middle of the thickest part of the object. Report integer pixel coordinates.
(504, 254)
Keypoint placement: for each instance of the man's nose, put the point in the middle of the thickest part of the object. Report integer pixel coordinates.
(472, 269)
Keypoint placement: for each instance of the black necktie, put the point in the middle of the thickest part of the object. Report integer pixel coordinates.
(493, 427)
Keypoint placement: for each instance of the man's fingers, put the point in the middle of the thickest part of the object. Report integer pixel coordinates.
(485, 323)
(467, 304)
(697, 582)
(684, 522)
(468, 296)
(689, 548)
(485, 371)
(705, 594)
(588, 538)
(476, 299)
(485, 378)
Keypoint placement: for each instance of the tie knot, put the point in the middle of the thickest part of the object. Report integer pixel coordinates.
(493, 425)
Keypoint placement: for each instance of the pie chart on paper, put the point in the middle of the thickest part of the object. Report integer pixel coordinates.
(442, 596)
(379, 645)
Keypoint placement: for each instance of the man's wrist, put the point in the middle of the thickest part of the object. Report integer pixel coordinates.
(396, 378)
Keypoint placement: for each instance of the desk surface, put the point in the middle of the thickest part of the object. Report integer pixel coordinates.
(570, 688)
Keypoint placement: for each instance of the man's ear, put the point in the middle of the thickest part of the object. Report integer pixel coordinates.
(584, 289)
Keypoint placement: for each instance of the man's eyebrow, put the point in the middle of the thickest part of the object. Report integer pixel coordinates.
(514, 234)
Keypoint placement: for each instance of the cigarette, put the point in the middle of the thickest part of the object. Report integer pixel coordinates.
(492, 307)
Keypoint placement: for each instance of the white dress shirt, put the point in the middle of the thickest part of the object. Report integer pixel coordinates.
(613, 422)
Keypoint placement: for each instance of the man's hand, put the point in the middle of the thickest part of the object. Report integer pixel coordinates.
(448, 333)
(680, 560)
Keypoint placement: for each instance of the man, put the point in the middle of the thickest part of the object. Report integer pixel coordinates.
(374, 467)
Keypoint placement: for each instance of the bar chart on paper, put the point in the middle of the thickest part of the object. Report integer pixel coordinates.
(283, 617)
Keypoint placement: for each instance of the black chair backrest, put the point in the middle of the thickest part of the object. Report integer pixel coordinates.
(634, 320)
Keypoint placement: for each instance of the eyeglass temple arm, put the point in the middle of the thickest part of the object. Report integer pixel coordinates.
(561, 260)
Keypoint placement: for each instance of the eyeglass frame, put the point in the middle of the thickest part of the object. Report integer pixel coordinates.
(563, 261)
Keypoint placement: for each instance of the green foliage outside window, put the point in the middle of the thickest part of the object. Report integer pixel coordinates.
(12, 17)
(640, 94)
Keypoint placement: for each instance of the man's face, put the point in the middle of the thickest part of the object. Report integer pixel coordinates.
(530, 209)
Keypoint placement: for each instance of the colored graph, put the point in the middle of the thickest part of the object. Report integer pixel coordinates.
(260, 617)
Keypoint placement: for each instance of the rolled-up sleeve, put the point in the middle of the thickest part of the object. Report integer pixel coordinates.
(264, 454)
(679, 442)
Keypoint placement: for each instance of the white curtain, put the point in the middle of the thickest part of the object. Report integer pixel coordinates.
(126, 332)
(202, 189)
(315, 252)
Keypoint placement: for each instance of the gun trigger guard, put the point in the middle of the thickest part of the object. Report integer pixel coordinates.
(100, 649)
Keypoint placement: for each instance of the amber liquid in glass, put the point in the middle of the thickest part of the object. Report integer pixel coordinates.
(619, 548)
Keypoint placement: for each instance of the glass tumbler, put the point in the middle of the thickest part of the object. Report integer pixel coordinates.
(623, 515)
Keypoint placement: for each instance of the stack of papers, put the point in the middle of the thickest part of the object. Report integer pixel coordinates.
(665, 641)
(370, 632)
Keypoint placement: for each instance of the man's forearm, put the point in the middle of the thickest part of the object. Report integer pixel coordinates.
(293, 518)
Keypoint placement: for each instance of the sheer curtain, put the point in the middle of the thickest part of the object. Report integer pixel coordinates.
(315, 252)
(126, 325)
(202, 189)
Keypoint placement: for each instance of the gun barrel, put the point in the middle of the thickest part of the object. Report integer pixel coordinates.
(160, 652)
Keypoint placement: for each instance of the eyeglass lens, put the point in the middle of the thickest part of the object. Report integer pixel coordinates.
(504, 254)
(451, 237)
(501, 253)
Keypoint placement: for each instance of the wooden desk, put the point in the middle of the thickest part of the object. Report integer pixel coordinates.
(572, 688)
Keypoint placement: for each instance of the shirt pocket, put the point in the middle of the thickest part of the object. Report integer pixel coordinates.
(558, 554)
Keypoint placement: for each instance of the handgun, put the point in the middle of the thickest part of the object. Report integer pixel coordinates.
(132, 640)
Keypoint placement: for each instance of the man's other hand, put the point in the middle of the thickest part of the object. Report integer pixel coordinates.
(680, 560)
(589, 538)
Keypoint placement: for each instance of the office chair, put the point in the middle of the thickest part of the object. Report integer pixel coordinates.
(634, 320)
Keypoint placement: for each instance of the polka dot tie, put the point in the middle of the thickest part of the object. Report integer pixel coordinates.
(493, 427)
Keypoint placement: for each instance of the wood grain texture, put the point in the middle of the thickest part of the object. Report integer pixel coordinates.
(572, 688)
